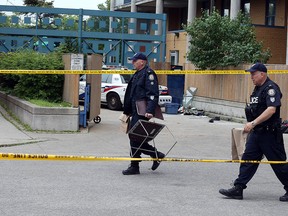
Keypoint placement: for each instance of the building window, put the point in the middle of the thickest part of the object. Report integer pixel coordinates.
(205, 6)
(245, 7)
(225, 8)
(174, 57)
(270, 12)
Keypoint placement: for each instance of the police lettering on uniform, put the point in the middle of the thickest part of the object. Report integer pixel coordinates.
(265, 137)
(143, 86)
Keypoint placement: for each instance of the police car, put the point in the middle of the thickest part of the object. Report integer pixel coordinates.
(113, 87)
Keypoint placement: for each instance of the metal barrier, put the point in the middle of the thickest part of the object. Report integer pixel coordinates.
(91, 31)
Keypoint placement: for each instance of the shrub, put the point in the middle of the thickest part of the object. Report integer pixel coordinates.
(218, 41)
(33, 86)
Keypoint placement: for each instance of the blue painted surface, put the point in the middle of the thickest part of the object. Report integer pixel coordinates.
(83, 113)
(90, 30)
(175, 85)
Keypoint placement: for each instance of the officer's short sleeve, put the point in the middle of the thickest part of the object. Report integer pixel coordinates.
(273, 96)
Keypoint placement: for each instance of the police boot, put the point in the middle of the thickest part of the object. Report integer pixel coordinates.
(133, 169)
(156, 164)
(284, 198)
(235, 192)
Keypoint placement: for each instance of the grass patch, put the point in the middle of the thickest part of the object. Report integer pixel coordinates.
(44, 103)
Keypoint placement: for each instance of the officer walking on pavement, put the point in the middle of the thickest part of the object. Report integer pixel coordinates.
(265, 137)
(142, 86)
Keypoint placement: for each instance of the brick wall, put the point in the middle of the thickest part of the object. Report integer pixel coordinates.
(176, 43)
(275, 40)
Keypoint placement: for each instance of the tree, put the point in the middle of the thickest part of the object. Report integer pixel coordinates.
(218, 41)
(39, 3)
(105, 6)
(97, 19)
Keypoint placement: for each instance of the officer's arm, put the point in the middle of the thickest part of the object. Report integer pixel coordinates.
(263, 117)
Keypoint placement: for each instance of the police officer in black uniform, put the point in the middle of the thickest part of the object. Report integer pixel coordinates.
(265, 137)
(142, 86)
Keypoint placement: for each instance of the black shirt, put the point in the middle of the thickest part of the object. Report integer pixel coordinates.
(264, 96)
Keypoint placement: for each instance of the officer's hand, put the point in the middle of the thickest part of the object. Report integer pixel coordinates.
(248, 127)
(148, 115)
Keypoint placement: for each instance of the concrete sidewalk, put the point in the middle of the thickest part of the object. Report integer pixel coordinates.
(99, 188)
(9, 133)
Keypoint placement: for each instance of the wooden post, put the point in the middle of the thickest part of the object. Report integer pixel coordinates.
(71, 83)
(94, 62)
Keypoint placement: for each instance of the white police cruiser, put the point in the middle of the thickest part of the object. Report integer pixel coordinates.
(113, 87)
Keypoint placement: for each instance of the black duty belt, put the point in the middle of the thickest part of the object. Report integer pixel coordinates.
(267, 128)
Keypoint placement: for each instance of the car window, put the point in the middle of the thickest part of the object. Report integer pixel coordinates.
(122, 79)
(106, 78)
(125, 78)
(109, 78)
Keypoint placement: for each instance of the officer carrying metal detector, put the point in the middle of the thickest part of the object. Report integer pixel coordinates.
(265, 136)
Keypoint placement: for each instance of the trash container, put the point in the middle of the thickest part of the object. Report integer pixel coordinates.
(171, 108)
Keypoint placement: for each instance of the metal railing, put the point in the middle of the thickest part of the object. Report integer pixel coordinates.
(91, 31)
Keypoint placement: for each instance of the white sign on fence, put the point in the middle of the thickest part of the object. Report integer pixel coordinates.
(77, 61)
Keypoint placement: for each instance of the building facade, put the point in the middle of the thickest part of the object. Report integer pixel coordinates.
(268, 16)
(221, 94)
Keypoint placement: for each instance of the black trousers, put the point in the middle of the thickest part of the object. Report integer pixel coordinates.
(259, 143)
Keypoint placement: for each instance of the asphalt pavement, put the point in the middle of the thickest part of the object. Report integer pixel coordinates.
(37, 187)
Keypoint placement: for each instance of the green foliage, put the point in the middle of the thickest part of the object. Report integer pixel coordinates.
(38, 3)
(36, 86)
(42, 3)
(44, 103)
(69, 46)
(104, 6)
(97, 19)
(218, 41)
(122, 24)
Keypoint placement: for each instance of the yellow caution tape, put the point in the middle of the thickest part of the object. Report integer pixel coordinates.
(199, 72)
(13, 156)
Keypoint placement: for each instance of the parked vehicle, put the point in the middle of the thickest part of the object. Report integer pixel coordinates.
(113, 87)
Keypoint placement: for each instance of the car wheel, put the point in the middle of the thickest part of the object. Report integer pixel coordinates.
(113, 101)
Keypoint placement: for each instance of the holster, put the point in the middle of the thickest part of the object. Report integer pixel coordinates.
(248, 113)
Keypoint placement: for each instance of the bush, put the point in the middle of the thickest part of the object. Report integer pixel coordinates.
(218, 41)
(34, 86)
